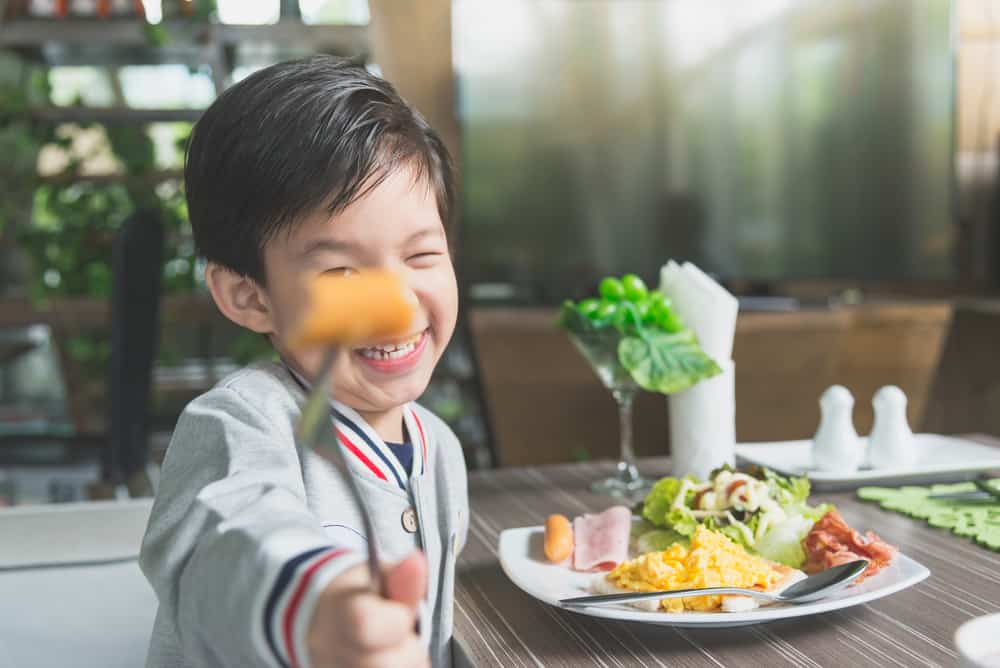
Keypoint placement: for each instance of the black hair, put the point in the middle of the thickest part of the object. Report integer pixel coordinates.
(294, 138)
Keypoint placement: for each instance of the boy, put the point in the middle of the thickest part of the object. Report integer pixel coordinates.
(254, 548)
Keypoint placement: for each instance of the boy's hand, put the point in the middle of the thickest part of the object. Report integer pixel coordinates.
(351, 626)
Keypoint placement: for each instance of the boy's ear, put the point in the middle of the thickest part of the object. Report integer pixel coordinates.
(240, 298)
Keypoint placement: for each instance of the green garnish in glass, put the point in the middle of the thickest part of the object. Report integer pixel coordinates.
(633, 338)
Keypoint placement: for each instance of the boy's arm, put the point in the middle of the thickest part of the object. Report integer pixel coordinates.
(232, 550)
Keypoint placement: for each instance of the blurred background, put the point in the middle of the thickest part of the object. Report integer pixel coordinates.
(833, 163)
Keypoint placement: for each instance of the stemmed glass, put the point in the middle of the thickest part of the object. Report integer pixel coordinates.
(600, 349)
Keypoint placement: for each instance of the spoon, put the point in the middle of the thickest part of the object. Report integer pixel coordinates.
(812, 588)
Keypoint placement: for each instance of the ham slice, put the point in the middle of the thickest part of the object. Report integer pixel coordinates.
(601, 541)
(831, 543)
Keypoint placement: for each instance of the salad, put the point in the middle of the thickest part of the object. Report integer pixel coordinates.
(659, 352)
(762, 511)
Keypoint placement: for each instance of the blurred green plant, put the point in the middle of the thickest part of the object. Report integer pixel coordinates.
(21, 138)
(74, 222)
(70, 235)
(65, 223)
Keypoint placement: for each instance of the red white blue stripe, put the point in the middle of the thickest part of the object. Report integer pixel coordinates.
(367, 451)
(284, 625)
(368, 448)
(418, 436)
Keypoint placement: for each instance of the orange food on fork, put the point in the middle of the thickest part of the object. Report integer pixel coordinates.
(365, 307)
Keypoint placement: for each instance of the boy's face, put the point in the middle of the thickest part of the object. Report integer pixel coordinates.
(395, 227)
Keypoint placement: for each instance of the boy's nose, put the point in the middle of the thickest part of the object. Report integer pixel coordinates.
(410, 295)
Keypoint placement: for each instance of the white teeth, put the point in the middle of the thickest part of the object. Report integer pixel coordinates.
(391, 351)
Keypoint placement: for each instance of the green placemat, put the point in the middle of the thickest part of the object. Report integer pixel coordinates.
(978, 519)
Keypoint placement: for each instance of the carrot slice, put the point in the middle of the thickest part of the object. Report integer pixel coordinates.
(558, 538)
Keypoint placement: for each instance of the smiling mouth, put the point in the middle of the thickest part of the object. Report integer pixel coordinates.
(392, 351)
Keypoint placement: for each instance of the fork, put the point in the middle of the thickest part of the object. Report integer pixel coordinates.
(316, 431)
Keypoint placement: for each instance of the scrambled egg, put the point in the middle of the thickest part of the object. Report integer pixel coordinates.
(712, 561)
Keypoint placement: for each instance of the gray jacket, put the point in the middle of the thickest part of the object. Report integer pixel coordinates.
(246, 531)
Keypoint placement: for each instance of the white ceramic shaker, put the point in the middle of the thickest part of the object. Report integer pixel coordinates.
(891, 444)
(836, 446)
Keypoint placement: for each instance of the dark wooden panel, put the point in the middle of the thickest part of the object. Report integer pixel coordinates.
(965, 395)
(547, 405)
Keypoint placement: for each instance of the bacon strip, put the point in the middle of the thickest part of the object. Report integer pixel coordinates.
(831, 543)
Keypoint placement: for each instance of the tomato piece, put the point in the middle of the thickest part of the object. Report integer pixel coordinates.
(733, 486)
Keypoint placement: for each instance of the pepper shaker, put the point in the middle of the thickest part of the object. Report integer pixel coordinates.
(836, 446)
(890, 445)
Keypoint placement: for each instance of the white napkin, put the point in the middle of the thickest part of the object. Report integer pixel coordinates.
(703, 417)
(704, 305)
(703, 425)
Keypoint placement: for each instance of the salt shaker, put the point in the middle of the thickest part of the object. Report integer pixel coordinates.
(836, 446)
(890, 444)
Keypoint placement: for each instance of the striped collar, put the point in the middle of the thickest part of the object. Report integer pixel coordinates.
(371, 452)
(365, 450)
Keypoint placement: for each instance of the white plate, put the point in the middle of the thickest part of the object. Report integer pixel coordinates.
(524, 563)
(939, 459)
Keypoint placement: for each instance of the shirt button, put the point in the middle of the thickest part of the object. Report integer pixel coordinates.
(409, 519)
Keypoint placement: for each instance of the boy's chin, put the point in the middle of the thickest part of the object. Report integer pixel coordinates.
(398, 393)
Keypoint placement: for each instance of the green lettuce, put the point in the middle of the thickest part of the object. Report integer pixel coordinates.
(656, 507)
(683, 521)
(786, 491)
(665, 363)
(783, 541)
(659, 540)
(812, 513)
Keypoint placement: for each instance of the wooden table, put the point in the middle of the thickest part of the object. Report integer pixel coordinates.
(497, 624)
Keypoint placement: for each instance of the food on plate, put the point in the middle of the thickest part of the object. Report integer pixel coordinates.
(601, 540)
(558, 538)
(831, 542)
(351, 309)
(711, 560)
(753, 530)
(764, 512)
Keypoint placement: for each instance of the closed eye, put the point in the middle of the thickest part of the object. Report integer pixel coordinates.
(341, 271)
(424, 259)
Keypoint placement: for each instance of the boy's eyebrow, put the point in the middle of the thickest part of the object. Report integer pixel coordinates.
(331, 245)
(435, 231)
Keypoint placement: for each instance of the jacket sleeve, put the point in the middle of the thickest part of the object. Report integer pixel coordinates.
(232, 550)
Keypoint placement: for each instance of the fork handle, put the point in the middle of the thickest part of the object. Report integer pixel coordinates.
(626, 597)
(374, 568)
(316, 430)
